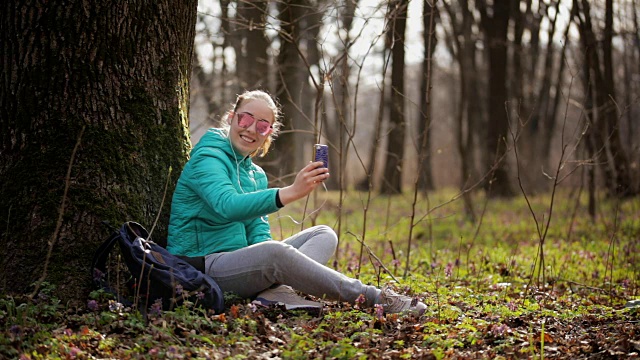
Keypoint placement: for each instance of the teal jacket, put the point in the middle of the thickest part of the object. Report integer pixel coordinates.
(221, 200)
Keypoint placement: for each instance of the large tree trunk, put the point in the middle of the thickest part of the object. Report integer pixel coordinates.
(392, 179)
(120, 72)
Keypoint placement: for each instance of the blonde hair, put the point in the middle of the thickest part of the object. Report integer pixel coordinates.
(275, 109)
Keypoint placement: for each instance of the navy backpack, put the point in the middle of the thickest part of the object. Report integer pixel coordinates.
(155, 273)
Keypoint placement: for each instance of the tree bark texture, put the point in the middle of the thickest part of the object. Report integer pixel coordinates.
(120, 70)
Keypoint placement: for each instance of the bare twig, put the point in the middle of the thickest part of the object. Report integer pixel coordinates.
(423, 146)
(164, 195)
(54, 237)
(373, 255)
(611, 249)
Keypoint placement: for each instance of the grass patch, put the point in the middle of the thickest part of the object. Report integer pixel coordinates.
(486, 293)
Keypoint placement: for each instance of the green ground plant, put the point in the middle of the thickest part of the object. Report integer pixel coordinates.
(480, 284)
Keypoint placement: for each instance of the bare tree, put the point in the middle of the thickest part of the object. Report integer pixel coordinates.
(367, 183)
(300, 21)
(461, 42)
(289, 79)
(604, 131)
(628, 59)
(429, 19)
(338, 130)
(495, 23)
(547, 109)
(252, 58)
(341, 131)
(537, 108)
(392, 178)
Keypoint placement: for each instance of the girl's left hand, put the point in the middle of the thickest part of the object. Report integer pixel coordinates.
(305, 182)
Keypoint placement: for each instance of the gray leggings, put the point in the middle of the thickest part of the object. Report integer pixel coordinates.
(298, 261)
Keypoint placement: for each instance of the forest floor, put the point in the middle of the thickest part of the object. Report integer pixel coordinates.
(488, 294)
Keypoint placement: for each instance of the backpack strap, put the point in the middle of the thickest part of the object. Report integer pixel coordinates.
(98, 265)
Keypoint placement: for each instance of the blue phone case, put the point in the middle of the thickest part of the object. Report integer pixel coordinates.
(322, 154)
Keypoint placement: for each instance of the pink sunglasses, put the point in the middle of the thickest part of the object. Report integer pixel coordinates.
(245, 120)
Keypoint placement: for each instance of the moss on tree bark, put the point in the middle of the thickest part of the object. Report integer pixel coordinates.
(118, 70)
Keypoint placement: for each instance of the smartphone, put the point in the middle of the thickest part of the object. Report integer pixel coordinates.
(322, 154)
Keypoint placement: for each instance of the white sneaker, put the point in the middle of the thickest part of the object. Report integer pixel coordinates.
(393, 302)
(285, 295)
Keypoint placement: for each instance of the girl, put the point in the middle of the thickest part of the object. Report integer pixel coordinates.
(219, 211)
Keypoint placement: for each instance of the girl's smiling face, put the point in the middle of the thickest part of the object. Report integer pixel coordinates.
(248, 140)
